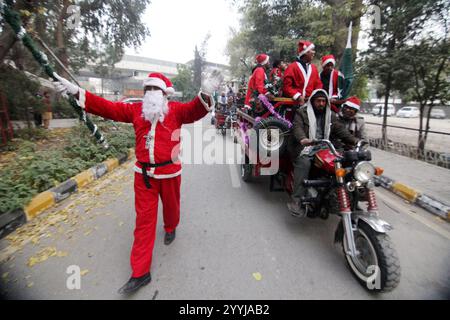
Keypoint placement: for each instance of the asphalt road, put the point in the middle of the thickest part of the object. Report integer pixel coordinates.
(235, 241)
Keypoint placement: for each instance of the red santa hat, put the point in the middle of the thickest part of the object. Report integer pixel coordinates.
(327, 59)
(262, 59)
(161, 81)
(353, 102)
(304, 46)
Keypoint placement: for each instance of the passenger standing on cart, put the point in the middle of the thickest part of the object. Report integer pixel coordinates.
(301, 77)
(257, 83)
(312, 122)
(331, 79)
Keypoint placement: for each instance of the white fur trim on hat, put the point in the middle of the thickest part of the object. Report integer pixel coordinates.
(308, 48)
(352, 105)
(328, 61)
(170, 90)
(296, 96)
(156, 82)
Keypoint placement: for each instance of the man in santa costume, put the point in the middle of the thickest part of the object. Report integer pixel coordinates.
(331, 78)
(301, 77)
(348, 116)
(156, 123)
(257, 81)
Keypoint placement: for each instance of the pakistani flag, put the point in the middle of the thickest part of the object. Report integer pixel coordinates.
(346, 68)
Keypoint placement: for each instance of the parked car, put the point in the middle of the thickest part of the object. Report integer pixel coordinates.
(378, 110)
(408, 112)
(437, 114)
(132, 100)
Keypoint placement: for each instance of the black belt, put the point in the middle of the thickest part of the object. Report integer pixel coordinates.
(146, 165)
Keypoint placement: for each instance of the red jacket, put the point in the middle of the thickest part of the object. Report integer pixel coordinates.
(275, 72)
(164, 142)
(256, 83)
(294, 83)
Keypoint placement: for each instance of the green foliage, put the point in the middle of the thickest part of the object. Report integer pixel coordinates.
(20, 93)
(35, 169)
(184, 82)
(275, 26)
(63, 110)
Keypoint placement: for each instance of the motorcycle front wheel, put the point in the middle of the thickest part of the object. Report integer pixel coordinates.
(376, 266)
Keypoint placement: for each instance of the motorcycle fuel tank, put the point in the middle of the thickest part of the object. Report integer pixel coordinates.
(324, 160)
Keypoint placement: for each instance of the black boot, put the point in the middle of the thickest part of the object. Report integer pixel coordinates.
(169, 237)
(135, 283)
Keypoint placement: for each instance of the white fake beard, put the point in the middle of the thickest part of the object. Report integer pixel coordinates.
(154, 106)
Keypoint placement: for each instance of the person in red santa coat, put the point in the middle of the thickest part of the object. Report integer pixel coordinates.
(257, 81)
(331, 78)
(156, 123)
(301, 77)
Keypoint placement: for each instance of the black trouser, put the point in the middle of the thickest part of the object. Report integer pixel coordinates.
(302, 166)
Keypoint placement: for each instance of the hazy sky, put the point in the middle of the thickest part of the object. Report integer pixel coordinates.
(176, 26)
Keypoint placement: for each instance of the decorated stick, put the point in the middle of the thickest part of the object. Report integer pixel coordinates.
(13, 19)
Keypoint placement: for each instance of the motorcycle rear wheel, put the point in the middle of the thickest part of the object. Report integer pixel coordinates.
(377, 256)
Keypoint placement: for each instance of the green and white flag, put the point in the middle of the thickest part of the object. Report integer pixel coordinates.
(346, 68)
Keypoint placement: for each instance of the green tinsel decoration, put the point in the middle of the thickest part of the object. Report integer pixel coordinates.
(13, 19)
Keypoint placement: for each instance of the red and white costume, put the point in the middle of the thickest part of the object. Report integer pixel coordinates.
(331, 81)
(156, 143)
(298, 81)
(257, 81)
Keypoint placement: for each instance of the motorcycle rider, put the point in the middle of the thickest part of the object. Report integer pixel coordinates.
(313, 121)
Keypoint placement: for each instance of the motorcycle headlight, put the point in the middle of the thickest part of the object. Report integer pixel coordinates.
(364, 171)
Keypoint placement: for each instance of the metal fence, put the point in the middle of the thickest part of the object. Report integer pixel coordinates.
(403, 141)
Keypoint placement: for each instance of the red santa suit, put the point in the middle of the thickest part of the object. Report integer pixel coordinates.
(257, 81)
(156, 143)
(299, 81)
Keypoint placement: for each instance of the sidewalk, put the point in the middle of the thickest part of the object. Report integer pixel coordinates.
(415, 180)
(54, 123)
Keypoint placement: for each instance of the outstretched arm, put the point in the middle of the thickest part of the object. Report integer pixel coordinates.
(195, 109)
(91, 103)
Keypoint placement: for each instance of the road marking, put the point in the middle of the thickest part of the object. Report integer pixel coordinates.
(402, 207)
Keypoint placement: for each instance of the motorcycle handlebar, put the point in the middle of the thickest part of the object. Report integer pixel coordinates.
(329, 145)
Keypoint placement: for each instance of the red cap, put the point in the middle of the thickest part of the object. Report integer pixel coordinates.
(262, 59)
(327, 59)
(304, 46)
(161, 81)
(353, 102)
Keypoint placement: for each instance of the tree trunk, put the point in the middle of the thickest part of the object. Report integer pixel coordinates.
(7, 40)
(387, 93)
(59, 35)
(421, 141)
(340, 25)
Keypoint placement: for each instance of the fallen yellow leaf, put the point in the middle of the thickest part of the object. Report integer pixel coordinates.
(257, 276)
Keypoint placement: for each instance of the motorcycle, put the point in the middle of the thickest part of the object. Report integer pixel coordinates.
(337, 184)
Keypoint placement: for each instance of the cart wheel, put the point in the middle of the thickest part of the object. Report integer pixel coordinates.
(272, 143)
